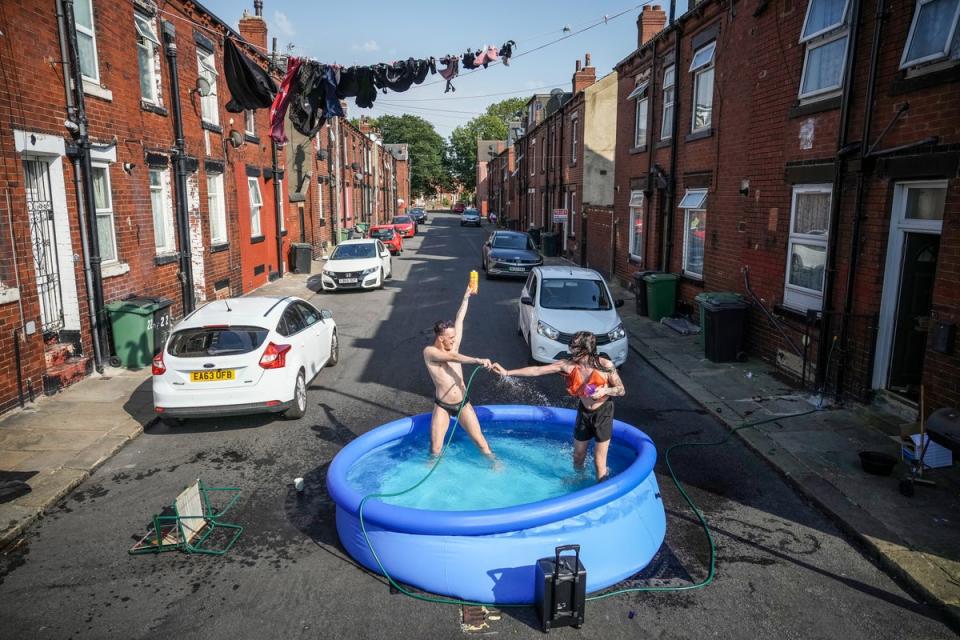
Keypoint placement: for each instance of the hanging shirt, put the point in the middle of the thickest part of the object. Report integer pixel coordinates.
(250, 86)
(450, 71)
(506, 52)
(486, 56)
(278, 110)
(314, 98)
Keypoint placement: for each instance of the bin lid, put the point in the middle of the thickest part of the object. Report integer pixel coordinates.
(640, 275)
(716, 300)
(301, 245)
(140, 305)
(660, 277)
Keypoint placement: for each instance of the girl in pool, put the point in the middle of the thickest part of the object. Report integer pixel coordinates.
(594, 380)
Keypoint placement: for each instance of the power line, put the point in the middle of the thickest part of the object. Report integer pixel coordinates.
(403, 106)
(483, 95)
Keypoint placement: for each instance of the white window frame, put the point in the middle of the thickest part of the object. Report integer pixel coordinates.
(635, 207)
(107, 212)
(92, 32)
(686, 240)
(795, 296)
(256, 228)
(250, 124)
(216, 208)
(148, 41)
(669, 82)
(706, 55)
(533, 156)
(209, 104)
(283, 214)
(320, 201)
(574, 139)
(947, 46)
(168, 242)
(823, 37)
(640, 122)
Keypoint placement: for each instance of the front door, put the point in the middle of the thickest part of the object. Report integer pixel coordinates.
(44, 240)
(913, 312)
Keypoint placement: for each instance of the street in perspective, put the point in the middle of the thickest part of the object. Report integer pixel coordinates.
(624, 322)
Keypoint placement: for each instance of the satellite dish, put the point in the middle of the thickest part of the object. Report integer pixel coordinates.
(203, 87)
(236, 138)
(556, 92)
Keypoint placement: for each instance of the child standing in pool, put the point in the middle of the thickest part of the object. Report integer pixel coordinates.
(594, 380)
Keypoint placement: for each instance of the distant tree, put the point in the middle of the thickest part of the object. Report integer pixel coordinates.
(461, 153)
(426, 147)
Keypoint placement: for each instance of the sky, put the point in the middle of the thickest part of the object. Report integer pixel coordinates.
(368, 32)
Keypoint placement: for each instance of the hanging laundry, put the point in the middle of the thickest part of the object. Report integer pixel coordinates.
(278, 110)
(450, 71)
(317, 98)
(469, 60)
(250, 86)
(506, 52)
(486, 56)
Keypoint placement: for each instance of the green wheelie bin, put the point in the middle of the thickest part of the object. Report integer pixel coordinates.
(140, 327)
(661, 295)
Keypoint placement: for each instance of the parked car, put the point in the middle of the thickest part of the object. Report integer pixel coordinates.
(459, 207)
(509, 253)
(557, 302)
(357, 264)
(419, 215)
(243, 355)
(405, 225)
(390, 238)
(470, 216)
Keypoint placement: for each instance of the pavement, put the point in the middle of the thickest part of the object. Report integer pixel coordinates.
(57, 442)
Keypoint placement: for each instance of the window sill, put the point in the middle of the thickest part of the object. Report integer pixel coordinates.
(153, 108)
(251, 138)
(209, 126)
(283, 233)
(91, 88)
(699, 135)
(9, 294)
(696, 281)
(815, 105)
(114, 269)
(632, 259)
(924, 77)
(257, 239)
(217, 248)
(664, 143)
(165, 258)
(636, 150)
(789, 312)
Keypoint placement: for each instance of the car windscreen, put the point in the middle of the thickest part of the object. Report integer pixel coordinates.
(382, 234)
(203, 342)
(402, 220)
(471, 212)
(512, 242)
(354, 251)
(585, 295)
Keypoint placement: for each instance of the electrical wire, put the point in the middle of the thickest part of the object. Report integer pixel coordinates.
(712, 564)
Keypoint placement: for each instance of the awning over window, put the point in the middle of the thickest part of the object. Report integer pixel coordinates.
(639, 92)
(693, 199)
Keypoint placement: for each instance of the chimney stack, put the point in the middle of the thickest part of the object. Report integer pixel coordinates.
(584, 76)
(651, 21)
(253, 28)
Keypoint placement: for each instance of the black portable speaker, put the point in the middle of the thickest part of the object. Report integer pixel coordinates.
(560, 591)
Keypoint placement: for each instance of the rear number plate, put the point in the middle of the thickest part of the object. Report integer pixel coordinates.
(516, 269)
(347, 281)
(214, 375)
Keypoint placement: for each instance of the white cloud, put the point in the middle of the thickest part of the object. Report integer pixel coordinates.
(369, 45)
(283, 25)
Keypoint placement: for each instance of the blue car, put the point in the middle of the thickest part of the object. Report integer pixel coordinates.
(510, 253)
(419, 215)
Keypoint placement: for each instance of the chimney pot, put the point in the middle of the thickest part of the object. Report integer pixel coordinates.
(651, 21)
(578, 65)
(586, 62)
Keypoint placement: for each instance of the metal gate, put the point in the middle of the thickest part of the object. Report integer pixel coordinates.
(44, 236)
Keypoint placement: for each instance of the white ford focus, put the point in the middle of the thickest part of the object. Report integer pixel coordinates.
(243, 355)
(357, 264)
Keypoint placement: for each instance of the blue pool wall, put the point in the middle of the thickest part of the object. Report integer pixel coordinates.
(490, 555)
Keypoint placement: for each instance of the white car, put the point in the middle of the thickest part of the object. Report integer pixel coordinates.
(470, 216)
(243, 355)
(557, 302)
(357, 264)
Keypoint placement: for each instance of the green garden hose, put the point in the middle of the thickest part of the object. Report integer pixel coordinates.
(673, 476)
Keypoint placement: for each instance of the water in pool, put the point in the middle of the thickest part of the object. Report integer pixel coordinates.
(532, 464)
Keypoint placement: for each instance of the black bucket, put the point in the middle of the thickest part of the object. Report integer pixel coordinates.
(877, 463)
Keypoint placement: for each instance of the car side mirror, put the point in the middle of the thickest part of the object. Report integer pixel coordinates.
(326, 314)
(618, 303)
(527, 300)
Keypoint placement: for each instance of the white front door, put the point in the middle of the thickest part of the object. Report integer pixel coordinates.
(916, 222)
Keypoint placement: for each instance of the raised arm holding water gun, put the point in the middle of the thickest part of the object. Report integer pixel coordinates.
(445, 366)
(594, 380)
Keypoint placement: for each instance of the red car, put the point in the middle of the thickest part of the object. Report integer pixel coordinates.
(459, 207)
(390, 238)
(405, 225)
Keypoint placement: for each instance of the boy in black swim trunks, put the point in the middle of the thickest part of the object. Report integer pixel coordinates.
(444, 363)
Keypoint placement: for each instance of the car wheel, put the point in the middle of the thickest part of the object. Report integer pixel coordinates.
(299, 406)
(334, 350)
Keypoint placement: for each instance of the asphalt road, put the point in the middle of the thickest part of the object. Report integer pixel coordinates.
(782, 569)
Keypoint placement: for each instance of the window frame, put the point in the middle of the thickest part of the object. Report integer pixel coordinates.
(574, 139)
(220, 214)
(699, 71)
(170, 241)
(640, 95)
(283, 213)
(666, 124)
(250, 123)
(810, 46)
(904, 62)
(149, 46)
(106, 212)
(796, 296)
(636, 209)
(90, 31)
(829, 28)
(258, 207)
(686, 243)
(209, 104)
